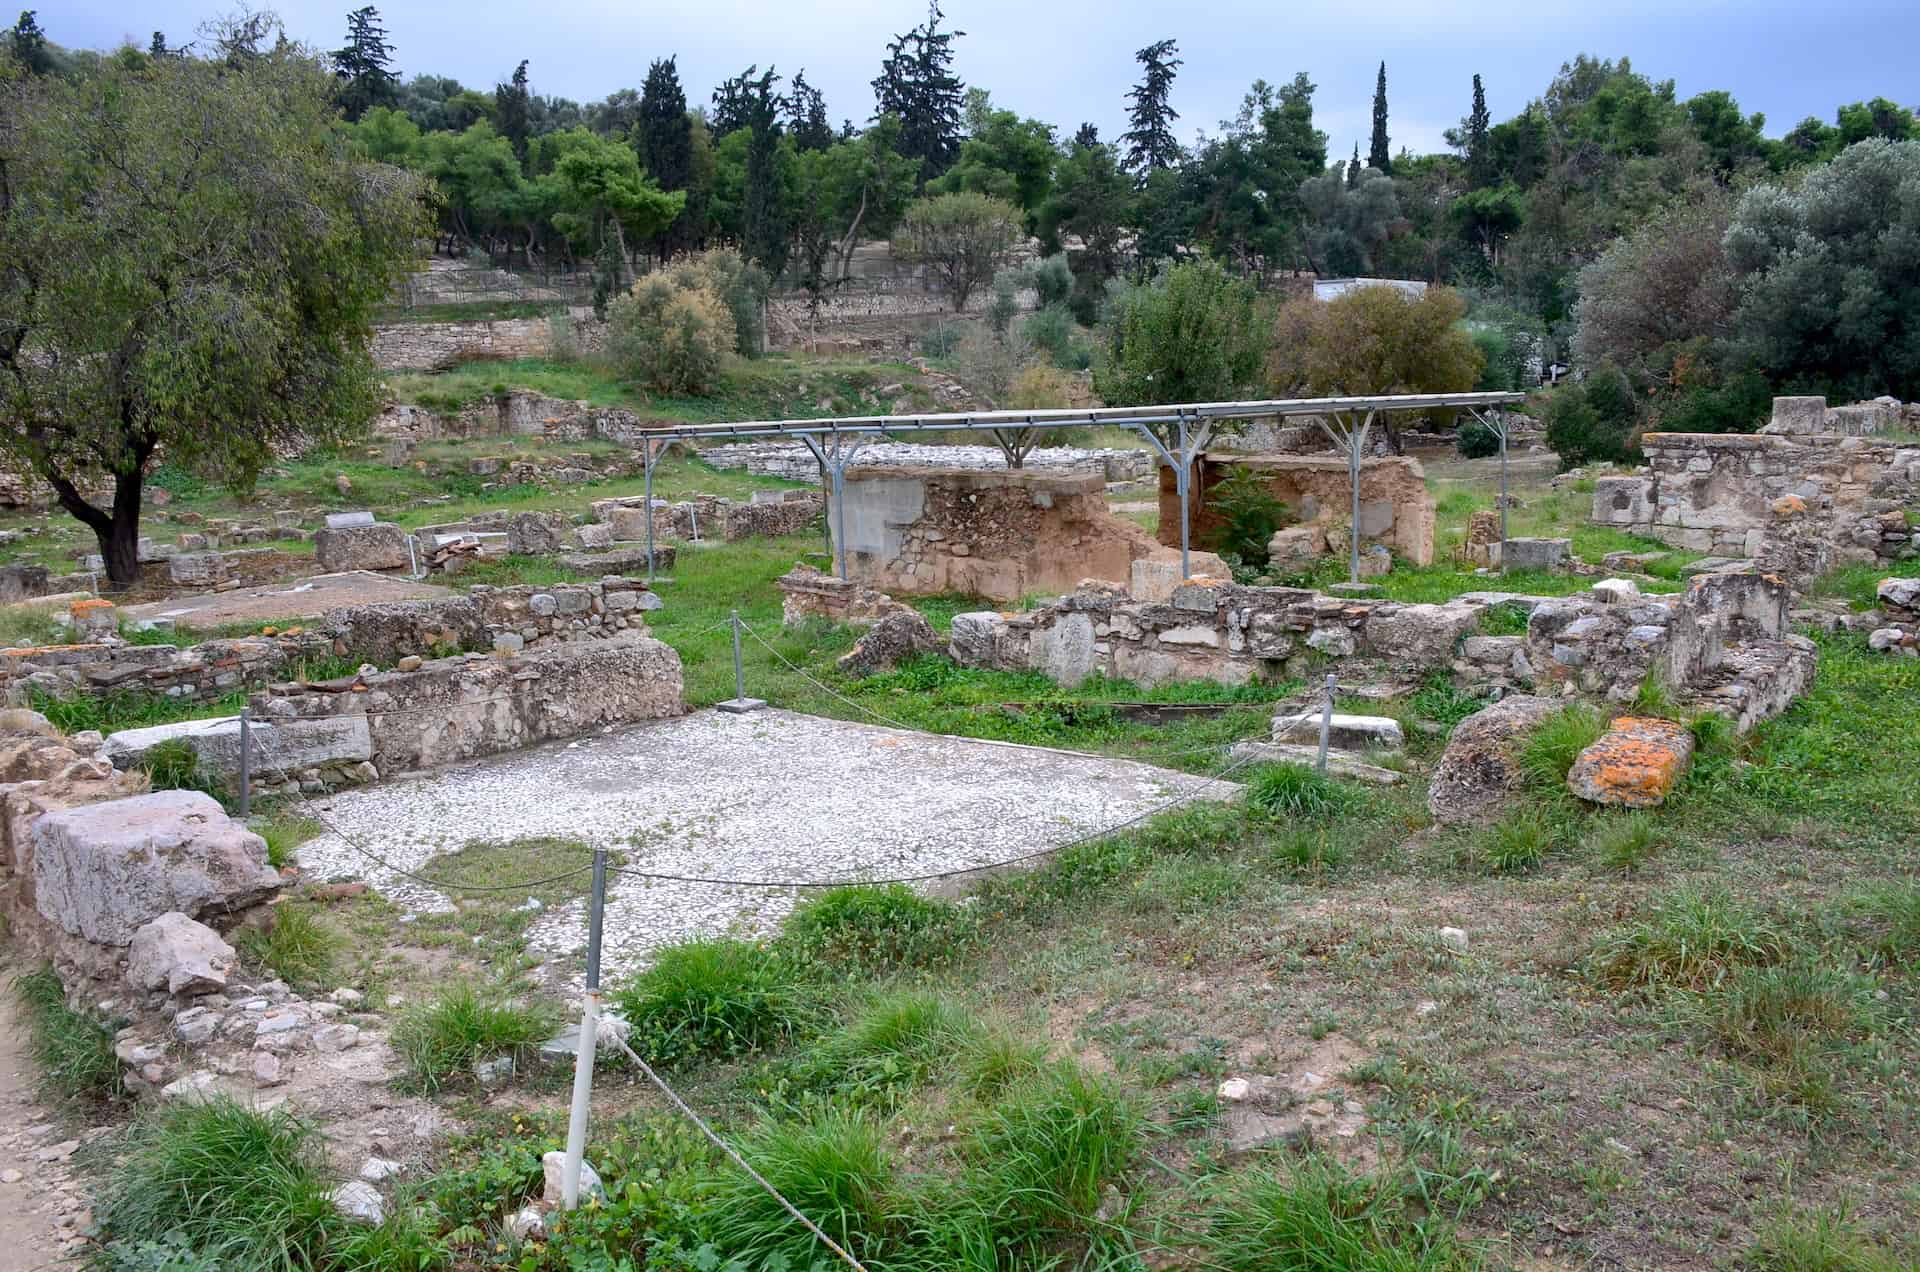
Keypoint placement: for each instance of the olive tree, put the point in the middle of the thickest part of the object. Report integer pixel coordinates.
(190, 258)
(961, 238)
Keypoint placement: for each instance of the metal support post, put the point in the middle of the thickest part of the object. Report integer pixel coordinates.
(1183, 483)
(647, 452)
(1501, 430)
(1353, 478)
(739, 704)
(1326, 724)
(589, 1041)
(246, 761)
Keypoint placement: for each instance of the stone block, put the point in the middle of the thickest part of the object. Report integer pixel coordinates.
(895, 638)
(1480, 767)
(285, 745)
(1535, 554)
(1634, 765)
(348, 520)
(1376, 518)
(1065, 650)
(177, 954)
(1798, 416)
(539, 534)
(1899, 597)
(1347, 732)
(379, 546)
(103, 871)
(1297, 544)
(974, 638)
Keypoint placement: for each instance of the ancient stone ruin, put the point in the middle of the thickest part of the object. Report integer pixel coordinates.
(1395, 509)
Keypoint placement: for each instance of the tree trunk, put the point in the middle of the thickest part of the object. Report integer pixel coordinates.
(120, 538)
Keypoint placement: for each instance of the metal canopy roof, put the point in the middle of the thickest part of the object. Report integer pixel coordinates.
(1123, 416)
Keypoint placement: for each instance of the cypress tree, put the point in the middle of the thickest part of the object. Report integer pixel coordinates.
(365, 66)
(513, 111)
(917, 84)
(1353, 169)
(664, 137)
(1150, 142)
(1479, 154)
(1377, 154)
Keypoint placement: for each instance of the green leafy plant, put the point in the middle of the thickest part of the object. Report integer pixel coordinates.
(298, 945)
(1305, 850)
(463, 1023)
(1250, 512)
(73, 1051)
(875, 928)
(1693, 939)
(713, 997)
(1294, 790)
(1474, 440)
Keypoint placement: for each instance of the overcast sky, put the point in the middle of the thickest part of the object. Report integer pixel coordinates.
(1065, 63)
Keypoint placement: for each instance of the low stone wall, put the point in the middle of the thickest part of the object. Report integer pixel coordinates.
(201, 673)
(518, 413)
(490, 617)
(1001, 535)
(1729, 494)
(441, 346)
(806, 594)
(457, 708)
(794, 462)
(1723, 643)
(1395, 509)
(769, 514)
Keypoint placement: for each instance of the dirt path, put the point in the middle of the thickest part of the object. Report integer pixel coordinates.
(41, 1206)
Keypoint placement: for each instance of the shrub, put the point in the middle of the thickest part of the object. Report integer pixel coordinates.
(1475, 440)
(1250, 512)
(941, 339)
(961, 238)
(873, 928)
(1594, 421)
(464, 1023)
(72, 1051)
(244, 1188)
(742, 287)
(299, 947)
(712, 997)
(1194, 334)
(1038, 388)
(1052, 279)
(1694, 939)
(1294, 790)
(1556, 742)
(835, 1170)
(670, 338)
(1050, 330)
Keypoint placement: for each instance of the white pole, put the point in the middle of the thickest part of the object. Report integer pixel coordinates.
(589, 1040)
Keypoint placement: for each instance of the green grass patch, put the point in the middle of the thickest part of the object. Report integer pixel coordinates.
(1509, 618)
(1786, 1015)
(835, 1169)
(1624, 841)
(72, 1050)
(241, 1188)
(110, 713)
(440, 1040)
(876, 928)
(1320, 1217)
(1295, 791)
(1556, 742)
(299, 946)
(1821, 1241)
(284, 832)
(1859, 585)
(1693, 938)
(714, 997)
(1516, 843)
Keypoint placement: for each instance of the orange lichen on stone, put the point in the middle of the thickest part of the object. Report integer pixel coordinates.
(88, 606)
(1635, 765)
(1789, 506)
(35, 651)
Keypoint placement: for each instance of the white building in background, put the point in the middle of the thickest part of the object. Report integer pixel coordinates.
(1334, 288)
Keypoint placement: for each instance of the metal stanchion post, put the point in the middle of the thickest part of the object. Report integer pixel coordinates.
(646, 453)
(583, 1053)
(246, 760)
(739, 704)
(1326, 724)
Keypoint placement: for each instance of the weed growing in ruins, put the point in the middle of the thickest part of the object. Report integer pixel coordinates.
(1305, 851)
(72, 1050)
(875, 928)
(1624, 842)
(30, 625)
(1505, 619)
(128, 710)
(714, 997)
(1820, 1241)
(1443, 702)
(1693, 939)
(1654, 697)
(1519, 841)
(284, 831)
(1294, 790)
(441, 1039)
(244, 1188)
(835, 1169)
(1786, 1015)
(175, 766)
(299, 946)
(1319, 1217)
(889, 1047)
(1550, 750)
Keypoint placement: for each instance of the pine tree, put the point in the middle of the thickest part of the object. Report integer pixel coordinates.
(917, 84)
(1377, 154)
(28, 44)
(1353, 169)
(1150, 142)
(1479, 153)
(513, 112)
(807, 115)
(1087, 135)
(365, 66)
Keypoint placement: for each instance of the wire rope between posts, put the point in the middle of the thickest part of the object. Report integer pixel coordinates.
(830, 691)
(725, 1147)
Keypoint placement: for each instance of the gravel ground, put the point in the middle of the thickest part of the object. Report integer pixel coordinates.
(771, 795)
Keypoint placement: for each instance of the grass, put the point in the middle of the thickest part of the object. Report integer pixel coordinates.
(440, 1040)
(284, 832)
(174, 765)
(835, 1169)
(299, 946)
(1892, 911)
(72, 1051)
(128, 709)
(1041, 1158)
(1625, 841)
(1294, 791)
(875, 928)
(1821, 1240)
(714, 997)
(1693, 939)
(1321, 1217)
(1517, 842)
(1556, 742)
(1784, 1015)
(244, 1188)
(892, 1044)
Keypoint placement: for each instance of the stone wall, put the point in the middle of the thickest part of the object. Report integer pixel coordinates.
(1395, 508)
(1723, 643)
(1804, 501)
(517, 413)
(807, 595)
(1001, 535)
(441, 346)
(794, 462)
(201, 673)
(457, 708)
(492, 618)
(769, 514)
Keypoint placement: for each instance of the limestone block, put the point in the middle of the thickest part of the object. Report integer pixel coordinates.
(380, 546)
(539, 534)
(1376, 518)
(1297, 544)
(1900, 597)
(198, 569)
(180, 955)
(278, 746)
(973, 638)
(895, 638)
(105, 870)
(1192, 634)
(1065, 651)
(1347, 732)
(1419, 635)
(1634, 765)
(1798, 415)
(1535, 554)
(1479, 768)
